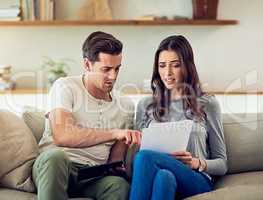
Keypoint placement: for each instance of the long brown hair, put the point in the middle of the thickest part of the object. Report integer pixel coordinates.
(190, 85)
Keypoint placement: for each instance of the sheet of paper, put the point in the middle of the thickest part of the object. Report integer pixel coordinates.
(167, 137)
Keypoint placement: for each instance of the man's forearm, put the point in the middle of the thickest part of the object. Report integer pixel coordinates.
(79, 137)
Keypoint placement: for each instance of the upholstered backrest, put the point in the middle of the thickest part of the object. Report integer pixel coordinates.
(243, 135)
(244, 141)
(35, 120)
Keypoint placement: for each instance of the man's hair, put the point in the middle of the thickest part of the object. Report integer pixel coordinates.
(100, 42)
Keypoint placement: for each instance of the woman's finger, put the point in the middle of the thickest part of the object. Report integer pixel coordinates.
(181, 153)
(187, 158)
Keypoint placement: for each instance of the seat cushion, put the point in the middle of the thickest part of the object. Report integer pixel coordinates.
(249, 178)
(18, 151)
(244, 139)
(8, 194)
(240, 192)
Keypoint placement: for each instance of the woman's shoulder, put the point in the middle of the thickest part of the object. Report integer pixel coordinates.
(144, 102)
(210, 103)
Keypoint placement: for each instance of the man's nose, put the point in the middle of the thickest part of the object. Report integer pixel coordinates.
(112, 75)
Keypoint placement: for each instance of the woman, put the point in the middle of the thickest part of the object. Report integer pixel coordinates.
(177, 95)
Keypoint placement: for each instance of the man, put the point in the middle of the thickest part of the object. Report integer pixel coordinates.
(86, 125)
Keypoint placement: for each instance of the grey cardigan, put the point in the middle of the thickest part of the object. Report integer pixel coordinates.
(206, 140)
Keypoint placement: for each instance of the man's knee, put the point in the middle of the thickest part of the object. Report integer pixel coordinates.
(116, 186)
(51, 163)
(54, 158)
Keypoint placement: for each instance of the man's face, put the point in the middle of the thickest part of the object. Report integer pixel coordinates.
(103, 73)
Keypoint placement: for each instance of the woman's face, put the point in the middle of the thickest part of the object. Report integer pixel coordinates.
(170, 70)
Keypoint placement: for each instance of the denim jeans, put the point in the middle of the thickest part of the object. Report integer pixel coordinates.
(160, 176)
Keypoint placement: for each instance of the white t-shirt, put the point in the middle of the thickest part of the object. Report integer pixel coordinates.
(70, 94)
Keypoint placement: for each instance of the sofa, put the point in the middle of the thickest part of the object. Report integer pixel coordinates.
(244, 142)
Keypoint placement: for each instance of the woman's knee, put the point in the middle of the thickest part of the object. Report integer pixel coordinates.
(144, 156)
(166, 176)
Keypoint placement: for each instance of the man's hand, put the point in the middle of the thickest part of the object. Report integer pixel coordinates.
(130, 137)
(186, 158)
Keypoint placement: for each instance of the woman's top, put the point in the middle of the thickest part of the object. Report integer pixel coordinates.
(206, 139)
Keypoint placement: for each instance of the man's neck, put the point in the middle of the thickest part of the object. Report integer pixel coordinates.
(94, 91)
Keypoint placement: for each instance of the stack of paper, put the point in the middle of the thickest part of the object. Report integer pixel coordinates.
(167, 137)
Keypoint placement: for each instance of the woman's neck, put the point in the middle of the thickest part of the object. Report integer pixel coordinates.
(176, 93)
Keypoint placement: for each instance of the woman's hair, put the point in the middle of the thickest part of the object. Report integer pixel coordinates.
(190, 84)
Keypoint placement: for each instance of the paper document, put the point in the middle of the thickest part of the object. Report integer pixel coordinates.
(167, 137)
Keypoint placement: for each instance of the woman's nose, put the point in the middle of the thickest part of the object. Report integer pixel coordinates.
(168, 71)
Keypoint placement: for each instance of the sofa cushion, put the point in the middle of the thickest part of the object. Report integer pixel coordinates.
(18, 150)
(244, 139)
(248, 178)
(240, 192)
(35, 120)
(8, 194)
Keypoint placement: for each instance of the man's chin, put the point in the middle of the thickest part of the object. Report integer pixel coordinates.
(108, 88)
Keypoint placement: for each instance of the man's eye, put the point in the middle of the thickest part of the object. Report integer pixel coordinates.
(105, 69)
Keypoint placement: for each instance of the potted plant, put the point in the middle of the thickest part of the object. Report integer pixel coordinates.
(55, 69)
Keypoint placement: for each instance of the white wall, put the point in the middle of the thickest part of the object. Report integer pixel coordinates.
(227, 57)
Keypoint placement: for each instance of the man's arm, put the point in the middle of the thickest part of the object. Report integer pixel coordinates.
(67, 133)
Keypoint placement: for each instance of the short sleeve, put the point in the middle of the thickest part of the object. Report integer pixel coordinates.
(60, 96)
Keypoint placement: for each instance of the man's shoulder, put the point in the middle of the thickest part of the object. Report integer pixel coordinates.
(68, 80)
(72, 83)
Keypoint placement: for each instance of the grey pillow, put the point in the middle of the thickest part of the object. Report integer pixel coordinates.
(244, 139)
(18, 151)
(35, 120)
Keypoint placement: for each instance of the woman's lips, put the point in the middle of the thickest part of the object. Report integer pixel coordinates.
(169, 81)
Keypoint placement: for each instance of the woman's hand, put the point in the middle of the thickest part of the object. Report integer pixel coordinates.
(186, 158)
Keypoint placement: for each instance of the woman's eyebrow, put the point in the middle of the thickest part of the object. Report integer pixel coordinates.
(170, 61)
(175, 60)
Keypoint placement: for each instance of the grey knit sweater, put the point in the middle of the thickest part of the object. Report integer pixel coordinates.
(206, 139)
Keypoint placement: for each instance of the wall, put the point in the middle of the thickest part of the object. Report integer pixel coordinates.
(227, 57)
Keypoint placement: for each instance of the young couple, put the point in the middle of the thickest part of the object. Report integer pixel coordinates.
(88, 125)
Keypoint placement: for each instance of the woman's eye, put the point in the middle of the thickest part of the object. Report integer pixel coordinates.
(161, 66)
(176, 65)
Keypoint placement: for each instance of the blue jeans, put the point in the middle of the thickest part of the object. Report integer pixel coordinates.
(160, 176)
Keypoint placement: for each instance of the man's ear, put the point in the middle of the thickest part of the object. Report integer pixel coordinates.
(87, 64)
